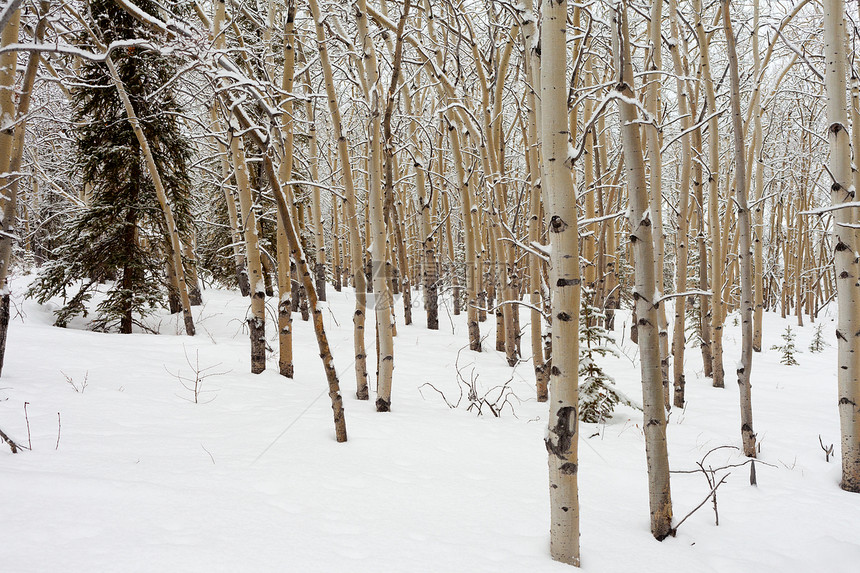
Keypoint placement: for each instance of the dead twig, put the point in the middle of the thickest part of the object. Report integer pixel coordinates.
(478, 400)
(828, 451)
(10, 442)
(195, 384)
(27, 419)
(71, 382)
(712, 493)
(710, 474)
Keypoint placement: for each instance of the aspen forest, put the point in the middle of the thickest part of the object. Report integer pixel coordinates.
(430, 285)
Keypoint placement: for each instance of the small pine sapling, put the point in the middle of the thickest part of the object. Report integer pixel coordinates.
(788, 349)
(818, 343)
(598, 395)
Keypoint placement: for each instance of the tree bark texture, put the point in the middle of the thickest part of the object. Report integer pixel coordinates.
(644, 291)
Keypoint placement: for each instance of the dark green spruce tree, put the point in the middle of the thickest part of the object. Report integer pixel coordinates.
(119, 238)
(598, 394)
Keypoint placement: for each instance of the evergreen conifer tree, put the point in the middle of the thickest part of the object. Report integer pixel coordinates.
(818, 343)
(788, 349)
(120, 234)
(598, 395)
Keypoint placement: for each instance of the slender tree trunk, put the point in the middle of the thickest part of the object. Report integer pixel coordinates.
(717, 262)
(702, 247)
(335, 243)
(8, 113)
(744, 247)
(456, 290)
(257, 320)
(531, 140)
(375, 200)
(316, 207)
(194, 293)
(846, 240)
(758, 263)
(11, 152)
(563, 435)
(682, 236)
(285, 286)
(654, 64)
(232, 214)
(644, 293)
(469, 231)
(130, 278)
(351, 220)
(428, 244)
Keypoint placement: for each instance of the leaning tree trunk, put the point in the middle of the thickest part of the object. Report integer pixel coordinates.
(172, 230)
(304, 272)
(308, 282)
(744, 246)
(562, 437)
(845, 235)
(644, 292)
(351, 219)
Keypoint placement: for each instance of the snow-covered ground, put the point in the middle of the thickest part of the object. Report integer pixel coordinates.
(130, 474)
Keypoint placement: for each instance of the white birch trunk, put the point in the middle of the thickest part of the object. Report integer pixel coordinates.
(257, 320)
(378, 235)
(654, 64)
(682, 237)
(744, 248)
(563, 434)
(644, 292)
(845, 239)
(713, 203)
(351, 220)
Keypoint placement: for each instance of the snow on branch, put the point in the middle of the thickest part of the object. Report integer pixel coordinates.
(828, 209)
(58, 48)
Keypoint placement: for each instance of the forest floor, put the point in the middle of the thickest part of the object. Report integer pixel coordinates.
(127, 473)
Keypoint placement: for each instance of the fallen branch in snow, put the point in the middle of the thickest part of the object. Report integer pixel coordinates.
(14, 446)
